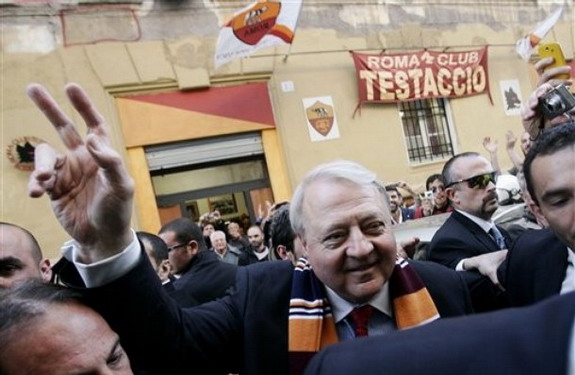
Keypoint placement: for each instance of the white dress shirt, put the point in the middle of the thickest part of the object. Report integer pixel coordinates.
(484, 224)
(568, 284)
(381, 321)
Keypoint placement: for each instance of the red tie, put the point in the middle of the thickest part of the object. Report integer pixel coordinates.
(360, 316)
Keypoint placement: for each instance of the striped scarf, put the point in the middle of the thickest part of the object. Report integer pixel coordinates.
(311, 323)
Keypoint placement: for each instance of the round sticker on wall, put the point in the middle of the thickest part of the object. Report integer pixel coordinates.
(20, 152)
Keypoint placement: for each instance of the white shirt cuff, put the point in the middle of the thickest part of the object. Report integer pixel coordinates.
(459, 266)
(106, 270)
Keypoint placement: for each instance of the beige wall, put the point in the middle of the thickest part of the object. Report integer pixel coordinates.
(170, 55)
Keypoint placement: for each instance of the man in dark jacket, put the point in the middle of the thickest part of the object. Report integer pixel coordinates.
(200, 275)
(469, 235)
(541, 262)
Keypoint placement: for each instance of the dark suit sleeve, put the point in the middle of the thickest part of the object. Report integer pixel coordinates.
(446, 287)
(459, 238)
(447, 251)
(181, 296)
(536, 267)
(158, 335)
(535, 340)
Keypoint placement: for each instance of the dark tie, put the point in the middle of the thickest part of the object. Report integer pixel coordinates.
(360, 317)
(498, 237)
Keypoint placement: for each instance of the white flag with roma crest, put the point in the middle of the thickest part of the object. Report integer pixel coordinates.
(525, 45)
(261, 24)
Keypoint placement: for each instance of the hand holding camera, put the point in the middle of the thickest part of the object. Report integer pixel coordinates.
(551, 102)
(557, 102)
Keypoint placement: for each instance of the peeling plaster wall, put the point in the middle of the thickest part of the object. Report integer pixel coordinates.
(176, 40)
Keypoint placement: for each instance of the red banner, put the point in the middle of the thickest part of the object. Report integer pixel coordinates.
(390, 78)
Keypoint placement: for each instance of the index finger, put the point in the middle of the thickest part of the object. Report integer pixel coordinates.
(553, 75)
(65, 128)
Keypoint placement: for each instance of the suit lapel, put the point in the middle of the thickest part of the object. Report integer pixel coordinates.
(482, 237)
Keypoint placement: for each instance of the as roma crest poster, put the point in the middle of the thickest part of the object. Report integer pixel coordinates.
(320, 118)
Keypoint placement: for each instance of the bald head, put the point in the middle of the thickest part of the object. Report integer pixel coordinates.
(20, 256)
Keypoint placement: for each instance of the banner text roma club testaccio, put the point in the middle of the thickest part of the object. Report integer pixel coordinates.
(389, 78)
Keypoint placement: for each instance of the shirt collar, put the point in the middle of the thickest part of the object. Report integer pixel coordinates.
(341, 307)
(568, 284)
(400, 216)
(262, 254)
(485, 225)
(570, 256)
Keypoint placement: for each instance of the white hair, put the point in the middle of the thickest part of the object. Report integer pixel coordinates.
(339, 170)
(217, 233)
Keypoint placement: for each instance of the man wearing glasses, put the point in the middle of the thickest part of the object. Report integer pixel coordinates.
(201, 276)
(469, 239)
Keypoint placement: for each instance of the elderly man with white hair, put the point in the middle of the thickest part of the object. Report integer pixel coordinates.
(276, 317)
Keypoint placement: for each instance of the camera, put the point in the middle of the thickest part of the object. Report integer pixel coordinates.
(428, 195)
(556, 102)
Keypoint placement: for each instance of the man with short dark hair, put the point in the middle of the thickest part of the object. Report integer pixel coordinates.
(540, 263)
(399, 214)
(157, 252)
(257, 251)
(439, 204)
(20, 256)
(283, 241)
(45, 329)
(201, 276)
(469, 235)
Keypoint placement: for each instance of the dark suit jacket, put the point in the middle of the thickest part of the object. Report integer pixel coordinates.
(532, 340)
(207, 278)
(245, 332)
(536, 266)
(459, 238)
(407, 213)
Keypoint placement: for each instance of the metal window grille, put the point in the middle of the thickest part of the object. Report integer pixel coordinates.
(426, 130)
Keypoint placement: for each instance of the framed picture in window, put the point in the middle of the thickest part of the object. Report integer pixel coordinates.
(226, 204)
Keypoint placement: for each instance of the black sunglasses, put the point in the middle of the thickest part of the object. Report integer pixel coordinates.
(479, 181)
(436, 189)
(174, 247)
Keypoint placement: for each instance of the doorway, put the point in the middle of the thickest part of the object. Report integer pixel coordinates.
(234, 181)
(171, 132)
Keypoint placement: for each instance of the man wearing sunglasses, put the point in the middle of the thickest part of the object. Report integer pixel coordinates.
(469, 240)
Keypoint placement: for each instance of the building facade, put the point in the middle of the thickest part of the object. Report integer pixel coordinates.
(197, 138)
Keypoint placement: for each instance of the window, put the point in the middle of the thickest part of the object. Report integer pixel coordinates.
(426, 130)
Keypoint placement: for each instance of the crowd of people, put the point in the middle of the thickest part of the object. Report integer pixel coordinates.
(300, 290)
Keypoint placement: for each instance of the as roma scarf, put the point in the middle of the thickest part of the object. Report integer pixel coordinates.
(311, 323)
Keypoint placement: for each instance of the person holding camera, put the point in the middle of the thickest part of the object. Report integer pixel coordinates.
(435, 203)
(534, 116)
